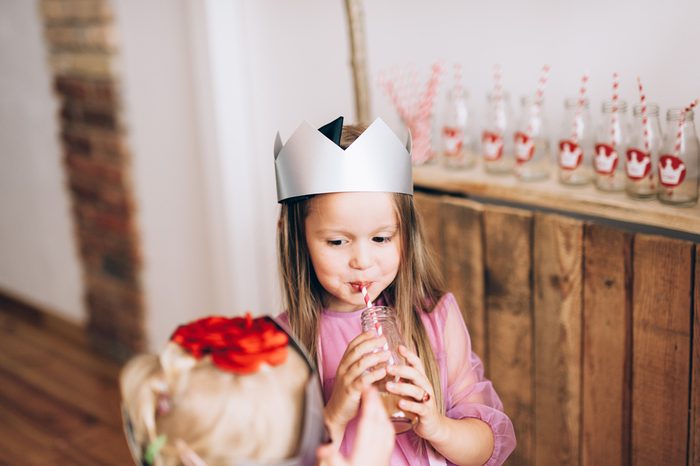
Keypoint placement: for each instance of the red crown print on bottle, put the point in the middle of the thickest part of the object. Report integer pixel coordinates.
(570, 155)
(453, 140)
(638, 164)
(524, 147)
(606, 159)
(492, 144)
(671, 171)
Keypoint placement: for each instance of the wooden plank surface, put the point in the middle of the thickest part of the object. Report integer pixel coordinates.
(428, 207)
(553, 195)
(607, 346)
(464, 265)
(508, 259)
(661, 350)
(694, 443)
(558, 251)
(59, 401)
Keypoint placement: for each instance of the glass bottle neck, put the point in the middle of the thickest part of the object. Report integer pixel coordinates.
(610, 107)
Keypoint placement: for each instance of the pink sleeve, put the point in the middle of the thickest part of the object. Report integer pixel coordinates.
(469, 394)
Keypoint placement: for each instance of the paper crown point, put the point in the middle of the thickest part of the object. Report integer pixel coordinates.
(312, 162)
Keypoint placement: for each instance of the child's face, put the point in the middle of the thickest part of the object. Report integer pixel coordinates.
(354, 241)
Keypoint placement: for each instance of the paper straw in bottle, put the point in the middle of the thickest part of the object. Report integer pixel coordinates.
(499, 113)
(458, 77)
(681, 123)
(539, 94)
(615, 100)
(580, 104)
(645, 115)
(377, 326)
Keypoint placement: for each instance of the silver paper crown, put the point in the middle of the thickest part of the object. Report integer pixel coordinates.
(310, 163)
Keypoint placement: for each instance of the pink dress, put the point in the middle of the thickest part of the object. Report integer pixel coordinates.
(466, 392)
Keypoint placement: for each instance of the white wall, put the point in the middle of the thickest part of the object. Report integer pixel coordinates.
(38, 254)
(659, 41)
(208, 83)
(167, 164)
(269, 71)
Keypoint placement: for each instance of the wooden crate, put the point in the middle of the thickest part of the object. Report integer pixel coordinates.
(585, 330)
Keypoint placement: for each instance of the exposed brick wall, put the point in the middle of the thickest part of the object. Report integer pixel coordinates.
(82, 52)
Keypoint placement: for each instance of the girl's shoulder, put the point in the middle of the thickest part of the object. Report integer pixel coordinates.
(446, 304)
(436, 316)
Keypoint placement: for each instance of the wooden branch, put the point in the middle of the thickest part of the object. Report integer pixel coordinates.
(356, 30)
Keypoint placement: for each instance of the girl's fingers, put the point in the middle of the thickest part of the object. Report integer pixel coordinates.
(368, 361)
(361, 345)
(367, 378)
(420, 409)
(412, 358)
(409, 373)
(407, 390)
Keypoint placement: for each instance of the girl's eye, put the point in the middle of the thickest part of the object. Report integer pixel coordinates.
(381, 239)
(335, 242)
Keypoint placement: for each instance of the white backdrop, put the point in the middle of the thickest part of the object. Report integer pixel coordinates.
(38, 253)
(208, 83)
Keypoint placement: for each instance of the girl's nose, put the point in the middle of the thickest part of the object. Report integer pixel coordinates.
(360, 257)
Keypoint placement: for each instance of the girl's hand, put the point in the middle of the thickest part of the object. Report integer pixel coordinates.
(352, 377)
(419, 397)
(374, 441)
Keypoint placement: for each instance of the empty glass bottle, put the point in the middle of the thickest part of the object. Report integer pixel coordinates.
(497, 137)
(532, 148)
(643, 153)
(678, 163)
(575, 146)
(457, 131)
(612, 139)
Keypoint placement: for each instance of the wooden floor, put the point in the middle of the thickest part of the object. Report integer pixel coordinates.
(59, 401)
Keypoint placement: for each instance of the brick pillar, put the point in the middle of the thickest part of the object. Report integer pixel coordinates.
(82, 50)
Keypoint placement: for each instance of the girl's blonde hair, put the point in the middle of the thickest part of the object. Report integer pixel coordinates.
(223, 417)
(416, 288)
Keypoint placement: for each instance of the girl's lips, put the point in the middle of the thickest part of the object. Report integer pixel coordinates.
(357, 286)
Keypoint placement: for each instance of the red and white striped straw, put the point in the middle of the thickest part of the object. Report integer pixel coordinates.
(542, 84)
(615, 100)
(497, 83)
(681, 123)
(580, 105)
(365, 295)
(458, 78)
(389, 85)
(645, 115)
(539, 94)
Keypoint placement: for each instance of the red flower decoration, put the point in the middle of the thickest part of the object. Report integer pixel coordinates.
(238, 344)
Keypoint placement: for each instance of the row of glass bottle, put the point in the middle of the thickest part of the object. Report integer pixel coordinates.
(612, 155)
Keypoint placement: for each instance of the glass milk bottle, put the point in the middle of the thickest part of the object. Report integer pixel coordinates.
(678, 162)
(382, 320)
(575, 146)
(497, 137)
(641, 161)
(532, 150)
(457, 133)
(610, 147)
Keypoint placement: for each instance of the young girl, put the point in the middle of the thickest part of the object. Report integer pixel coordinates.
(236, 391)
(348, 223)
(207, 399)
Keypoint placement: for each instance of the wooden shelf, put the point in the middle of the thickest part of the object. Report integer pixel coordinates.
(551, 194)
